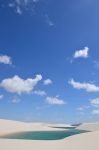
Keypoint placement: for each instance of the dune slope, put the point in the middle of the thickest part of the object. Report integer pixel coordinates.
(86, 141)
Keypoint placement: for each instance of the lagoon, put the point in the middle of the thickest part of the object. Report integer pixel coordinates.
(43, 135)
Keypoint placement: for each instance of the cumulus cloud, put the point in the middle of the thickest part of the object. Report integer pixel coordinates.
(95, 112)
(85, 86)
(95, 102)
(81, 53)
(19, 85)
(40, 93)
(1, 97)
(47, 82)
(4, 59)
(54, 101)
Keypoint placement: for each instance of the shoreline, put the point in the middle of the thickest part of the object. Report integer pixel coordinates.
(87, 141)
(9, 126)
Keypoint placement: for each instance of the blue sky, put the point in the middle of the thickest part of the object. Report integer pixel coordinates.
(49, 60)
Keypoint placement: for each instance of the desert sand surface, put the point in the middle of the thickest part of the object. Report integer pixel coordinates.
(8, 126)
(89, 126)
(84, 141)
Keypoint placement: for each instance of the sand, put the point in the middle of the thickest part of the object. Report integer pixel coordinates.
(9, 126)
(85, 141)
(89, 126)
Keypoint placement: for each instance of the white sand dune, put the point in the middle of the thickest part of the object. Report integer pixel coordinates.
(85, 141)
(89, 126)
(59, 125)
(8, 126)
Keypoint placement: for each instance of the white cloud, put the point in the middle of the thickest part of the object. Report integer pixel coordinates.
(22, 5)
(18, 10)
(82, 108)
(35, 1)
(95, 102)
(40, 93)
(28, 6)
(19, 85)
(81, 53)
(11, 5)
(54, 101)
(4, 59)
(47, 82)
(49, 21)
(1, 97)
(95, 112)
(85, 86)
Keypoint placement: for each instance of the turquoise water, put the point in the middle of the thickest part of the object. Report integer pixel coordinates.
(44, 135)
